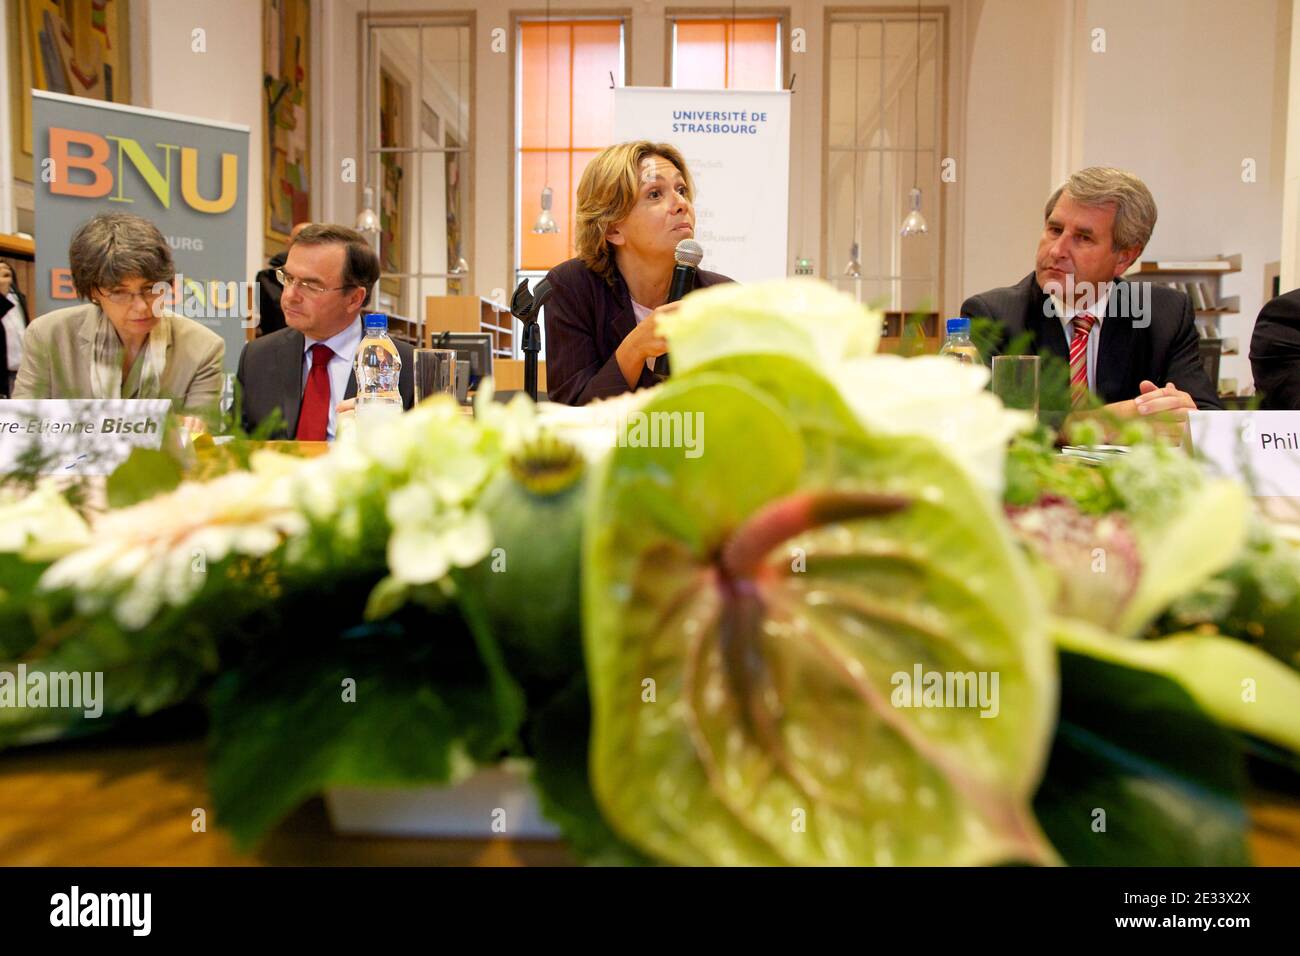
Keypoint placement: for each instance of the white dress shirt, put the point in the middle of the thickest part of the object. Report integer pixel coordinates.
(1094, 335)
(344, 344)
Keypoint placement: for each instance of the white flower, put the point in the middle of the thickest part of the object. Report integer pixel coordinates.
(157, 553)
(593, 428)
(41, 525)
(802, 318)
(420, 553)
(938, 398)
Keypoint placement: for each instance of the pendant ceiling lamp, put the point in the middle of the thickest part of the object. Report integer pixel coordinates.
(545, 222)
(914, 223)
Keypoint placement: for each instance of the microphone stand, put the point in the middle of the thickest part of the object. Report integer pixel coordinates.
(527, 308)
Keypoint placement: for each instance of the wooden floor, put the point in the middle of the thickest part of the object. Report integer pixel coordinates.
(122, 805)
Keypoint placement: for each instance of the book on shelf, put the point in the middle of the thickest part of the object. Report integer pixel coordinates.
(1207, 295)
(1194, 265)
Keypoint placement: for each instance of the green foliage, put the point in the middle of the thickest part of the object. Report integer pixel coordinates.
(145, 473)
(558, 740)
(1139, 776)
(407, 703)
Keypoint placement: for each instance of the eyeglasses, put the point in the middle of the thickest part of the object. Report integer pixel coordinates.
(146, 296)
(311, 288)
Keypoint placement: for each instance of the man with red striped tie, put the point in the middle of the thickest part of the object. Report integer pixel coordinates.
(1133, 345)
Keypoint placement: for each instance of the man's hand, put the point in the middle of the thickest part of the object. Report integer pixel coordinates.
(1154, 400)
(347, 405)
(1164, 409)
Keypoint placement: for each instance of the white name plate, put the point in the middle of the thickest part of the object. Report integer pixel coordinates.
(78, 436)
(1259, 449)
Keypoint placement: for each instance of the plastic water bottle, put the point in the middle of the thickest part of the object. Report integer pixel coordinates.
(378, 365)
(958, 343)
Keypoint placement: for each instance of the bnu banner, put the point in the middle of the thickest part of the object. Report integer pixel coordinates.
(737, 145)
(188, 176)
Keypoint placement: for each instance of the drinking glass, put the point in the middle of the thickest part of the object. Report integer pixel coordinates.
(435, 373)
(1015, 381)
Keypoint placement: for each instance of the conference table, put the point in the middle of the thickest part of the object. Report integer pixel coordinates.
(132, 803)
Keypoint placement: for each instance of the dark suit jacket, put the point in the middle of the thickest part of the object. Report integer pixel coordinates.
(586, 319)
(5, 306)
(1166, 350)
(269, 291)
(1275, 352)
(270, 377)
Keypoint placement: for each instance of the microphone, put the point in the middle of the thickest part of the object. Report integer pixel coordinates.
(689, 254)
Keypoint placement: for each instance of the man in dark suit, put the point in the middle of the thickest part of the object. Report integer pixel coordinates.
(1275, 353)
(305, 369)
(1132, 344)
(269, 290)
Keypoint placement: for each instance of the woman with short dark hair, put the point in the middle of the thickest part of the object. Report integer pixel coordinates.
(123, 344)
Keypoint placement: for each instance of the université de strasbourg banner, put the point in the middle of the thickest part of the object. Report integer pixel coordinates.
(188, 176)
(737, 145)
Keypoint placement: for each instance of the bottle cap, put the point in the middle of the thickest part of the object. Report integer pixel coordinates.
(377, 321)
(958, 326)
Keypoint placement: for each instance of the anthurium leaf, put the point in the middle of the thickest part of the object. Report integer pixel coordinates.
(1204, 538)
(1238, 685)
(145, 473)
(1139, 776)
(752, 618)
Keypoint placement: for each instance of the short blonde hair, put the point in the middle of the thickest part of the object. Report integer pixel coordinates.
(1135, 207)
(608, 192)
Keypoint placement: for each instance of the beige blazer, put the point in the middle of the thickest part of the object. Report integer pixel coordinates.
(57, 347)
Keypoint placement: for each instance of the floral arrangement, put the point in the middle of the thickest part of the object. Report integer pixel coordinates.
(803, 604)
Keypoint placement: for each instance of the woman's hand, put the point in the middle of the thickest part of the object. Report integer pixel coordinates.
(196, 426)
(643, 343)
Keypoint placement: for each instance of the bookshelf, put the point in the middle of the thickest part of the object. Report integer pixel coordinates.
(467, 313)
(1198, 279)
(892, 334)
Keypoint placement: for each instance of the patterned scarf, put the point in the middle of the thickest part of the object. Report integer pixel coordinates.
(145, 378)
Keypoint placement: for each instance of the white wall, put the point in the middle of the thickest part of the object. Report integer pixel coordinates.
(1008, 157)
(1187, 90)
(222, 83)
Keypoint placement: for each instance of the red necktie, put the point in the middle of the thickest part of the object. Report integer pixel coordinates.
(1083, 323)
(314, 418)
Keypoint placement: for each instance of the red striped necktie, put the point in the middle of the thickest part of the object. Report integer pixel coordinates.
(314, 419)
(1083, 323)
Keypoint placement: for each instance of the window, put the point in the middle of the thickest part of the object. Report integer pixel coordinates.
(882, 125)
(727, 54)
(417, 137)
(557, 134)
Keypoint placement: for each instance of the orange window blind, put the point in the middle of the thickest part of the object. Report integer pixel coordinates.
(727, 55)
(560, 132)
